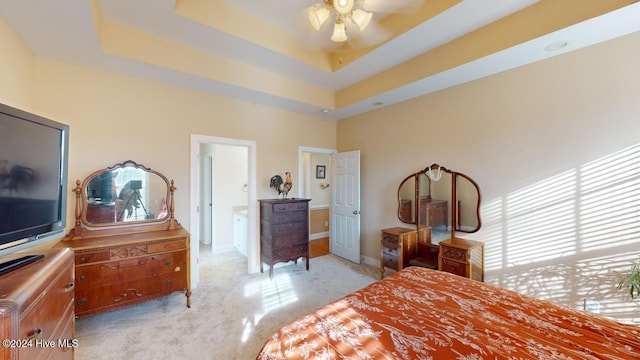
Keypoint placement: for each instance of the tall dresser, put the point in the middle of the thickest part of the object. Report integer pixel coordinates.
(284, 231)
(36, 307)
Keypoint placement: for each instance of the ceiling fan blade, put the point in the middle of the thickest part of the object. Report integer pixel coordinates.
(374, 34)
(393, 7)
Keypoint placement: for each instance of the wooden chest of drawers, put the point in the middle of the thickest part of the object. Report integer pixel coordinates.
(121, 270)
(433, 213)
(462, 257)
(284, 231)
(37, 303)
(398, 246)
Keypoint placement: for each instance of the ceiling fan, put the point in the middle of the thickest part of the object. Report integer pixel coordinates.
(349, 14)
(344, 11)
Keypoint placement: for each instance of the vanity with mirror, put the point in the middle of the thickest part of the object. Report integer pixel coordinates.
(439, 203)
(128, 246)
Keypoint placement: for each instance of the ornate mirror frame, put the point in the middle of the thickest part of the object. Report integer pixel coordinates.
(104, 203)
(433, 188)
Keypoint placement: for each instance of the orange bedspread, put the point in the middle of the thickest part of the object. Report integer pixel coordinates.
(419, 313)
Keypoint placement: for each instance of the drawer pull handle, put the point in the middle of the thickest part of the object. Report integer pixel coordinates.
(37, 333)
(124, 294)
(167, 262)
(69, 287)
(82, 301)
(82, 278)
(168, 282)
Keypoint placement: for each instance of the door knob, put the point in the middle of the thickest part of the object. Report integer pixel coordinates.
(356, 212)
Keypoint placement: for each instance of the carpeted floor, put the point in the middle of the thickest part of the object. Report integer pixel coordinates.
(231, 316)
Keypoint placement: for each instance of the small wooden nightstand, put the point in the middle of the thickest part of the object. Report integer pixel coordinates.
(399, 245)
(462, 257)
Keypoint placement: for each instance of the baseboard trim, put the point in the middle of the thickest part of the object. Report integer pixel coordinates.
(369, 261)
(317, 236)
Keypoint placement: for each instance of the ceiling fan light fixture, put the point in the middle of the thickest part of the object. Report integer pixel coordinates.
(343, 7)
(339, 31)
(361, 18)
(318, 17)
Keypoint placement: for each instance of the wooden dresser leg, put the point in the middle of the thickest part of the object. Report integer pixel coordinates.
(188, 295)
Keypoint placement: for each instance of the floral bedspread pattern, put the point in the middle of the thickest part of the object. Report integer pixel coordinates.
(420, 313)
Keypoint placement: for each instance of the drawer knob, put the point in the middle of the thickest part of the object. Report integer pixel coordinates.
(82, 278)
(82, 301)
(168, 282)
(69, 287)
(167, 262)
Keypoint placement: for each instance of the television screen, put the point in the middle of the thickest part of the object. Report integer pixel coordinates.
(33, 177)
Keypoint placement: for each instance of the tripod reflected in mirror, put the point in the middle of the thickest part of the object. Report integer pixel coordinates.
(132, 198)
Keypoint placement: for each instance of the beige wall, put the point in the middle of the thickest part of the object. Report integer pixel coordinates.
(510, 132)
(318, 219)
(16, 69)
(114, 118)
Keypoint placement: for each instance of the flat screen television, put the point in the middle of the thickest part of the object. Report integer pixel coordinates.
(33, 179)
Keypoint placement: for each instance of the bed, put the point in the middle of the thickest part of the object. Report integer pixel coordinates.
(418, 313)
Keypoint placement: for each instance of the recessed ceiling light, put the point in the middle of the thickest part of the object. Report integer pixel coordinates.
(324, 111)
(556, 45)
(378, 103)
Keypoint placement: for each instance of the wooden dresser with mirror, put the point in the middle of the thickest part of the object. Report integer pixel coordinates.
(128, 246)
(440, 203)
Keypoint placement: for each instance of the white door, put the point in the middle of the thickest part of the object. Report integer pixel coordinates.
(345, 206)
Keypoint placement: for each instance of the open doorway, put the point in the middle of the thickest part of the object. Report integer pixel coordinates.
(315, 173)
(223, 190)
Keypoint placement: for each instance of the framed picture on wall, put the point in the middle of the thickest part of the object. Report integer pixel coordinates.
(320, 171)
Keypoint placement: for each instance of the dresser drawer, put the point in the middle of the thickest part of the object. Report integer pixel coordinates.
(294, 206)
(43, 316)
(454, 253)
(62, 333)
(92, 257)
(180, 244)
(289, 240)
(390, 242)
(453, 267)
(291, 253)
(120, 271)
(88, 299)
(289, 217)
(99, 299)
(390, 251)
(290, 228)
(390, 261)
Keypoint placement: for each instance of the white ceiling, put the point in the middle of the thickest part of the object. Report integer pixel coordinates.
(64, 30)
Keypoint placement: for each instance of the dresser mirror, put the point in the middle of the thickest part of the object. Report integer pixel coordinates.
(444, 200)
(124, 194)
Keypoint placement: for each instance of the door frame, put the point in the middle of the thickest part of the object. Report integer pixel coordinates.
(301, 169)
(253, 259)
(301, 175)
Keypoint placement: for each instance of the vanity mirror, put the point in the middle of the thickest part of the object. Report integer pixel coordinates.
(440, 203)
(444, 200)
